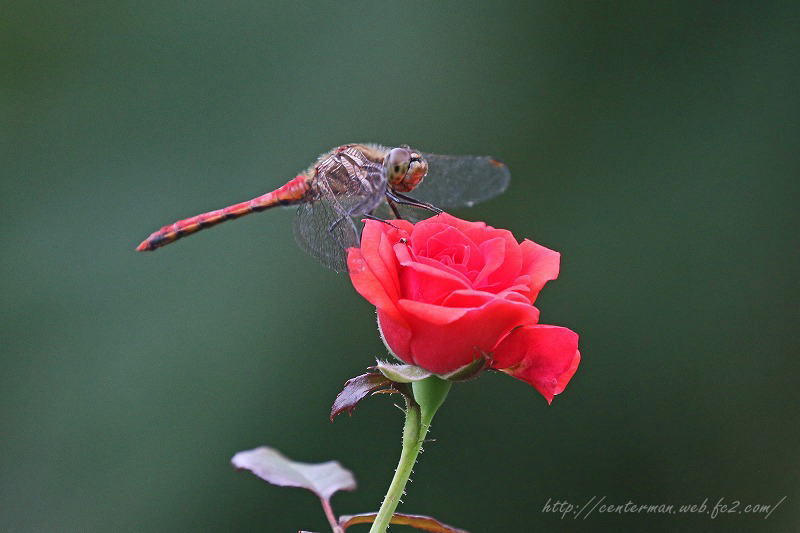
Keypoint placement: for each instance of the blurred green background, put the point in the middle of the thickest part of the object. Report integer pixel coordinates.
(654, 145)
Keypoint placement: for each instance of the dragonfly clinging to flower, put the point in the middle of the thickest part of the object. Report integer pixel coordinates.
(357, 181)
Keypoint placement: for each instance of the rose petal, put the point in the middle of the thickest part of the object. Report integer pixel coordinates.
(511, 268)
(493, 252)
(447, 268)
(396, 335)
(382, 261)
(450, 246)
(428, 228)
(445, 348)
(476, 231)
(475, 298)
(565, 378)
(540, 263)
(424, 282)
(373, 267)
(543, 356)
(395, 229)
(368, 285)
(436, 315)
(480, 232)
(516, 294)
(423, 232)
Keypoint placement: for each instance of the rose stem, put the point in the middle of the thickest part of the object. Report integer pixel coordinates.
(428, 396)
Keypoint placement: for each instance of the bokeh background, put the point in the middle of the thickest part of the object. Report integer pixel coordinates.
(654, 144)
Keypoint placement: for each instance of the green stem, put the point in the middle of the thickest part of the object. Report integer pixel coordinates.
(429, 395)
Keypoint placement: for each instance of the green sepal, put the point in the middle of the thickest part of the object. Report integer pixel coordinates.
(468, 371)
(402, 373)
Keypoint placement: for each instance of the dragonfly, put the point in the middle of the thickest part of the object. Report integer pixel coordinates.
(354, 182)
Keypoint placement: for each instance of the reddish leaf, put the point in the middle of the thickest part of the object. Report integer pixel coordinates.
(355, 390)
(323, 479)
(425, 523)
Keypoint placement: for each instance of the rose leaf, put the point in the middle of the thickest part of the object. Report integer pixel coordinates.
(424, 523)
(323, 479)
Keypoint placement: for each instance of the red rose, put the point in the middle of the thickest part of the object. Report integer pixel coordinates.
(449, 292)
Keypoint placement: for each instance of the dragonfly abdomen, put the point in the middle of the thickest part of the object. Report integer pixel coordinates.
(292, 192)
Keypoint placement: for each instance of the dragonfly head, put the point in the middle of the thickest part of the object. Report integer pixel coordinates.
(405, 168)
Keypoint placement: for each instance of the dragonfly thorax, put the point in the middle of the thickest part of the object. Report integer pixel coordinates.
(405, 169)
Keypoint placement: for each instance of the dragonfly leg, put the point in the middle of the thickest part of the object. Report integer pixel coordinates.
(373, 217)
(402, 199)
(393, 205)
(336, 223)
(345, 239)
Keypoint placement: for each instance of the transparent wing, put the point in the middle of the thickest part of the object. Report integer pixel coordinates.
(461, 181)
(344, 188)
(323, 231)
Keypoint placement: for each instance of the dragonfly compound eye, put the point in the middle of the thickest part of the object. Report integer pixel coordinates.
(396, 163)
(417, 170)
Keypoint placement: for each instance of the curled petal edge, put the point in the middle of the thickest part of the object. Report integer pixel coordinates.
(543, 356)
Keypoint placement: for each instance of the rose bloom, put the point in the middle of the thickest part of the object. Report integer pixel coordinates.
(449, 292)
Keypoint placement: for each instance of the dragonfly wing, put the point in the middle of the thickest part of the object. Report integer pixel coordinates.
(325, 232)
(461, 181)
(346, 187)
